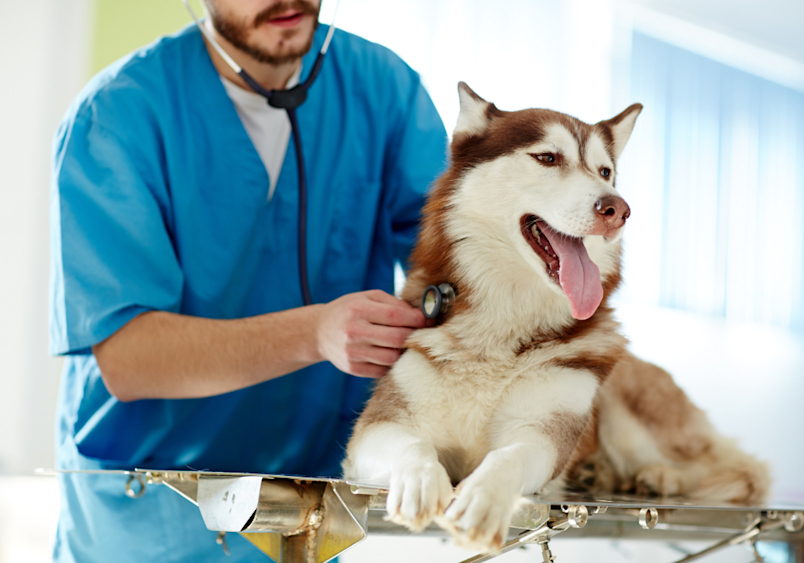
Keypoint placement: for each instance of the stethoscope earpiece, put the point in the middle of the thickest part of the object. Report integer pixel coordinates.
(437, 300)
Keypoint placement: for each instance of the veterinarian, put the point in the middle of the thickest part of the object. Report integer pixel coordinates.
(175, 292)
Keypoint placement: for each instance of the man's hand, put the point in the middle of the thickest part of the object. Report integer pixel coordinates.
(364, 333)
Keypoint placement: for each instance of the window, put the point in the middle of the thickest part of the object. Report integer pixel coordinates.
(715, 176)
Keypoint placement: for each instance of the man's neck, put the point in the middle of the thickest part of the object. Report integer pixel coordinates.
(271, 77)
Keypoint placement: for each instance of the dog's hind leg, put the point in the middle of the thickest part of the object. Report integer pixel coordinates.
(660, 443)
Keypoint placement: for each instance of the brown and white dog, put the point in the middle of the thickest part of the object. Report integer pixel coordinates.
(527, 382)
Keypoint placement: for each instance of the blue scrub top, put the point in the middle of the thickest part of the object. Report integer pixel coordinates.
(160, 202)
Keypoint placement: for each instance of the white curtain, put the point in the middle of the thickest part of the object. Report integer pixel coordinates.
(45, 63)
(715, 175)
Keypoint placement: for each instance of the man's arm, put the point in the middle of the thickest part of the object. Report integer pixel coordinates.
(161, 355)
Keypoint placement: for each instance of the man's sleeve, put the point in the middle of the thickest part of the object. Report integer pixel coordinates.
(112, 257)
(417, 156)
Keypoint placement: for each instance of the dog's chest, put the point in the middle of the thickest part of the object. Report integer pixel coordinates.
(459, 400)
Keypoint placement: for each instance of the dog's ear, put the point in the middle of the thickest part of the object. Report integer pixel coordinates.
(620, 128)
(475, 116)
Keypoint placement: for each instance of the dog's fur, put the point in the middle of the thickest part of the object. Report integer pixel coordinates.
(510, 393)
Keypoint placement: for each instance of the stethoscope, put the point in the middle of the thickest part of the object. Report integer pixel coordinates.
(437, 299)
(288, 100)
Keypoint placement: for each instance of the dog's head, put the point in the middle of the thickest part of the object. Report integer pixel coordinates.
(532, 193)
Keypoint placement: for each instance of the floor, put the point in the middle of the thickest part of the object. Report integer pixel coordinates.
(425, 550)
(29, 507)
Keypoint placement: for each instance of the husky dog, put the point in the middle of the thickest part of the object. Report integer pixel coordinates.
(526, 382)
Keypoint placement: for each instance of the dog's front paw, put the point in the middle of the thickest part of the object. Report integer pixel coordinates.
(417, 494)
(480, 516)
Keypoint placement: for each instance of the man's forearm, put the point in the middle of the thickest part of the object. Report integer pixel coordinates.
(160, 355)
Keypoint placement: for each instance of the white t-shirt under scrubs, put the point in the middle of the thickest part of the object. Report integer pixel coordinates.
(267, 127)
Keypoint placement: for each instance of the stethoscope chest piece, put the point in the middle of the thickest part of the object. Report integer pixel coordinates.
(437, 300)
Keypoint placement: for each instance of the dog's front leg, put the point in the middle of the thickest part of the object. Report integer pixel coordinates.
(480, 516)
(393, 454)
(533, 435)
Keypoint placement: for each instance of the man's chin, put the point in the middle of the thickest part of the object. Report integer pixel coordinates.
(269, 44)
(292, 46)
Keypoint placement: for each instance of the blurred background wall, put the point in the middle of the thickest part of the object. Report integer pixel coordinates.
(714, 174)
(46, 47)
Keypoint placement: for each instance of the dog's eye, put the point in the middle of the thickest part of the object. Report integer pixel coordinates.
(545, 157)
(605, 172)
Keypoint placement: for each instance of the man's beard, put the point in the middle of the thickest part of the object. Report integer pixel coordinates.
(236, 32)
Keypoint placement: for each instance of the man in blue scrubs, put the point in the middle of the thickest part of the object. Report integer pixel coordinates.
(175, 292)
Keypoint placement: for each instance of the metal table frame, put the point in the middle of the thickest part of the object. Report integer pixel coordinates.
(311, 520)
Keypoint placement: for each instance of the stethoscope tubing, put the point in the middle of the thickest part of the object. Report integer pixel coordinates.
(302, 224)
(290, 109)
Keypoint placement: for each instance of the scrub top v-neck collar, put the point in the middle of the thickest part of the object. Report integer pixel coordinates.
(214, 102)
(268, 127)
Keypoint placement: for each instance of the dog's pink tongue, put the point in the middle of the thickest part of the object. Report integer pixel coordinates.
(579, 276)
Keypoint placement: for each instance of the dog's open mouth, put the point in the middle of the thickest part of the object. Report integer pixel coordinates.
(567, 263)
